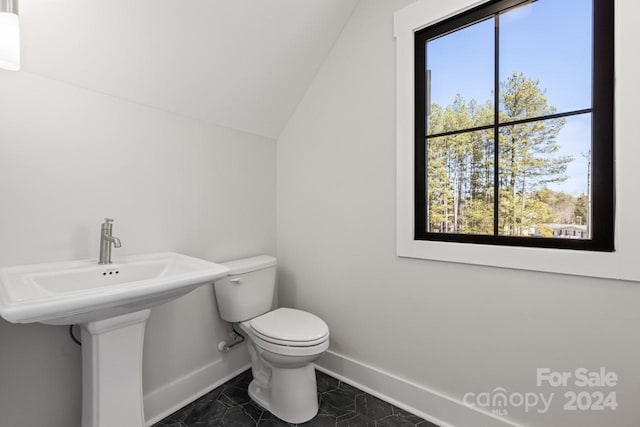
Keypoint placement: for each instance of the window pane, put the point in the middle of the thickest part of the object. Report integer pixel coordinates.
(545, 58)
(460, 69)
(545, 178)
(460, 183)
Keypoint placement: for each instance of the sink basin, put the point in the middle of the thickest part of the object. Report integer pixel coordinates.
(75, 292)
(111, 304)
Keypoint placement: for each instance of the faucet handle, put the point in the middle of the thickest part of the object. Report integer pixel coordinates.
(108, 220)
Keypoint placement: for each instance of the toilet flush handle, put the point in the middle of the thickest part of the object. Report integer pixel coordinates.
(236, 280)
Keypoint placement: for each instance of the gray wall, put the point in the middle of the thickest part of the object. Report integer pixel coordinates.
(68, 158)
(450, 327)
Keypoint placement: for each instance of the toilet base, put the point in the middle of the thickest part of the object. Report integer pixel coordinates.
(260, 395)
(293, 395)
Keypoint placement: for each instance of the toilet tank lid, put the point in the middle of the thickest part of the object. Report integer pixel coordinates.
(246, 265)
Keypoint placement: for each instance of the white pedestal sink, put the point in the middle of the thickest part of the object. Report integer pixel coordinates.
(111, 304)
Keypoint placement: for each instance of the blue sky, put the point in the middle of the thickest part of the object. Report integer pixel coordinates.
(548, 40)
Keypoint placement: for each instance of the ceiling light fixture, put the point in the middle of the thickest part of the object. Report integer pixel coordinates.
(9, 35)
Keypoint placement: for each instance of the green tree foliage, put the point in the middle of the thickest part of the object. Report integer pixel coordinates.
(561, 206)
(460, 181)
(581, 209)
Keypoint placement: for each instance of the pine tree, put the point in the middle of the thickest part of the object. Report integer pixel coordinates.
(528, 154)
(581, 212)
(460, 180)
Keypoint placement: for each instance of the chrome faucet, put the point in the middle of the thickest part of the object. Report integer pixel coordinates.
(106, 239)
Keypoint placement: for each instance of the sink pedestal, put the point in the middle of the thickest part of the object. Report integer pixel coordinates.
(112, 371)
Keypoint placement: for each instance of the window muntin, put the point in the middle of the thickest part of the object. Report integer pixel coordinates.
(544, 152)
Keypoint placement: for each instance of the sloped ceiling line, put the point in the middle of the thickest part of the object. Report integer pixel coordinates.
(242, 64)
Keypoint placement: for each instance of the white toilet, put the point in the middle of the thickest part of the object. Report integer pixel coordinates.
(283, 343)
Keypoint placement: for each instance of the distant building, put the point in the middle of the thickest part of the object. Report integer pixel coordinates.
(568, 231)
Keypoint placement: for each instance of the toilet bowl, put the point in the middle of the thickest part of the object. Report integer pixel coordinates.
(283, 343)
(284, 378)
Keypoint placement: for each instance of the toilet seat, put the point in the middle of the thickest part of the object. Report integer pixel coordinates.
(286, 350)
(289, 327)
(290, 343)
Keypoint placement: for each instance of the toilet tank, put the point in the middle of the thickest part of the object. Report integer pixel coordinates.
(247, 291)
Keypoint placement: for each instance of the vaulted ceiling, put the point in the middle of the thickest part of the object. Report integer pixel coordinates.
(243, 64)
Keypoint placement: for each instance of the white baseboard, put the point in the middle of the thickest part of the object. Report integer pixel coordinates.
(164, 401)
(431, 405)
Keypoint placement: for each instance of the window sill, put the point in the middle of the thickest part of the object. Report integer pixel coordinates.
(563, 261)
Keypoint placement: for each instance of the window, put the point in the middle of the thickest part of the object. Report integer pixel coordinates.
(514, 126)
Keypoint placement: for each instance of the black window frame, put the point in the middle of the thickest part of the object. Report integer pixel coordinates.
(602, 133)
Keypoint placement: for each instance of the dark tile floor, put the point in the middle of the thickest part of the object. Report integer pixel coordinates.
(340, 405)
